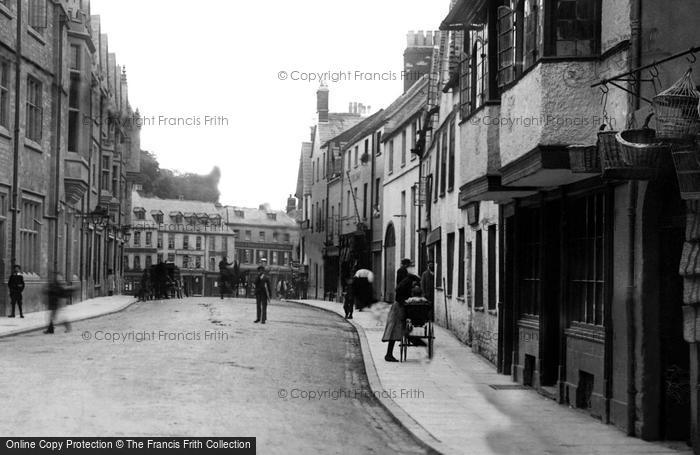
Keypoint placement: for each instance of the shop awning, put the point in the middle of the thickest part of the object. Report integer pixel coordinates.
(490, 188)
(545, 166)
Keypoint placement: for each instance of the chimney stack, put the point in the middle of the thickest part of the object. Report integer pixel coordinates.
(418, 56)
(322, 96)
(291, 204)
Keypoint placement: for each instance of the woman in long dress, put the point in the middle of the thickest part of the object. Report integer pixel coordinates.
(396, 320)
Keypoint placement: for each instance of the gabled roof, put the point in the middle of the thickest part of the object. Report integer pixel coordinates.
(337, 123)
(405, 107)
(367, 127)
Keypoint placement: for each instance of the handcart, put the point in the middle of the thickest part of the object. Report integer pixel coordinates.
(419, 314)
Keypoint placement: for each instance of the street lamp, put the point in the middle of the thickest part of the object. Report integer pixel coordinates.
(126, 233)
(99, 217)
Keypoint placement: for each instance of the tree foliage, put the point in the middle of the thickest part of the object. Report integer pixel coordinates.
(169, 184)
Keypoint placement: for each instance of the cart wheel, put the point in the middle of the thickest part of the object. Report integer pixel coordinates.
(431, 336)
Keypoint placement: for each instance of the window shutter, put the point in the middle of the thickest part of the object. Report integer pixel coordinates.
(456, 43)
(506, 46)
(465, 85)
(37, 14)
(531, 25)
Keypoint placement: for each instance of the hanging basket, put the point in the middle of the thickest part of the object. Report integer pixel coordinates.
(639, 155)
(686, 159)
(584, 159)
(609, 152)
(676, 110)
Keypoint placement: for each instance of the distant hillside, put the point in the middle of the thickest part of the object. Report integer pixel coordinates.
(168, 184)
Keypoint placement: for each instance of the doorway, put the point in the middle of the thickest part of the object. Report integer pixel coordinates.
(389, 263)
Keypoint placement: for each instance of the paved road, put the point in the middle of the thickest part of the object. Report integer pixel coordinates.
(226, 385)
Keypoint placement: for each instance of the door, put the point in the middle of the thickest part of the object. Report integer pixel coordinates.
(389, 263)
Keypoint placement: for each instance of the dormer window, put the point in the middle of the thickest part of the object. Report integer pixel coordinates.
(272, 216)
(140, 213)
(157, 216)
(239, 213)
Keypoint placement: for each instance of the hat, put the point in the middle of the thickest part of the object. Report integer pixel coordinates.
(407, 262)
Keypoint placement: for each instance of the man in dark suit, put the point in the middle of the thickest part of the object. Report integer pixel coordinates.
(263, 291)
(402, 272)
(16, 286)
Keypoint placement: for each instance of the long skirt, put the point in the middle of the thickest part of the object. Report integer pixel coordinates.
(395, 323)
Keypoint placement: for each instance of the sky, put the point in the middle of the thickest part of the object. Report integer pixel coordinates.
(230, 83)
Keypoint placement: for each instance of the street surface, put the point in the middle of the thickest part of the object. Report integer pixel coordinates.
(202, 368)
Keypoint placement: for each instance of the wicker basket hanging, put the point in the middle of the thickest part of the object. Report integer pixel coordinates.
(639, 155)
(608, 150)
(584, 159)
(676, 110)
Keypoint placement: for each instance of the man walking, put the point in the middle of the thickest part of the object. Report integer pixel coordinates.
(262, 295)
(57, 292)
(16, 286)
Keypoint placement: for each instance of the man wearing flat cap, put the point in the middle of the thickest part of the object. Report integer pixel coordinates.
(263, 291)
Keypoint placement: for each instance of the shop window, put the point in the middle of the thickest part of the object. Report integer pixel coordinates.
(460, 265)
(450, 262)
(530, 264)
(586, 256)
(479, 271)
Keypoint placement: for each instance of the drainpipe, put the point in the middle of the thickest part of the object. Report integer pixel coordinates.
(16, 158)
(59, 123)
(633, 188)
(371, 201)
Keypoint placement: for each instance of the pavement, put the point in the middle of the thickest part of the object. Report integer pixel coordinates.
(200, 366)
(449, 402)
(81, 311)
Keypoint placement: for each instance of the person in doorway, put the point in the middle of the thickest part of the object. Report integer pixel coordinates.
(16, 286)
(262, 295)
(396, 319)
(110, 282)
(427, 282)
(57, 292)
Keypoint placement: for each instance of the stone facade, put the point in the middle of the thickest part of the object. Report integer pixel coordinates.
(49, 139)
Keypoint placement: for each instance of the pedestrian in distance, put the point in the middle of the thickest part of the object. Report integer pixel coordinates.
(348, 298)
(225, 276)
(110, 282)
(362, 288)
(57, 292)
(282, 289)
(16, 286)
(396, 319)
(427, 282)
(262, 295)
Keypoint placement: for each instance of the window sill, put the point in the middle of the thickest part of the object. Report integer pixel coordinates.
(461, 299)
(473, 113)
(35, 146)
(493, 312)
(6, 12)
(36, 35)
(4, 132)
(479, 309)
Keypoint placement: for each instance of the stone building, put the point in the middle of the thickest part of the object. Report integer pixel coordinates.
(265, 236)
(192, 235)
(66, 148)
(312, 189)
(585, 299)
